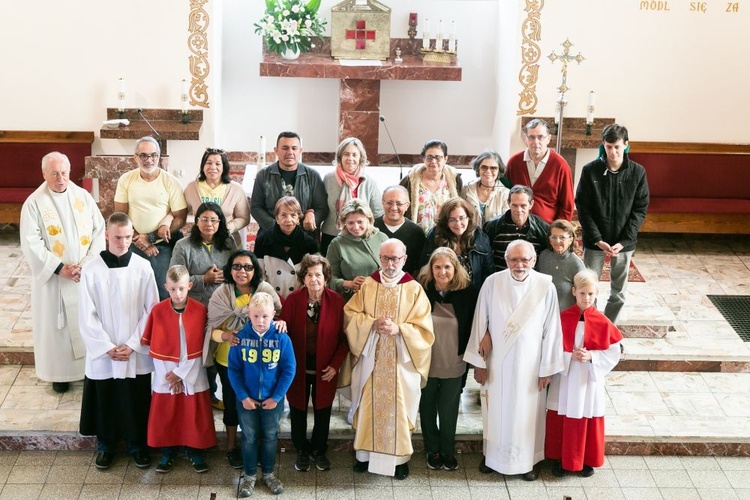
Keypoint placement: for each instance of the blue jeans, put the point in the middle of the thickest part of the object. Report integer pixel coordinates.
(259, 425)
(160, 265)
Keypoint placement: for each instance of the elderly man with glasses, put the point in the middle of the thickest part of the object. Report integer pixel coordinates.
(544, 171)
(155, 203)
(388, 323)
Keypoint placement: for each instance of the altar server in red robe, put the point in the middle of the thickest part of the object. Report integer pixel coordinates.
(575, 403)
(181, 412)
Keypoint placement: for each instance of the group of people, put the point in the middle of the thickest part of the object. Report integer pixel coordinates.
(411, 288)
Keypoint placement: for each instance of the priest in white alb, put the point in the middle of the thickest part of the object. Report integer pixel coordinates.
(515, 348)
(61, 229)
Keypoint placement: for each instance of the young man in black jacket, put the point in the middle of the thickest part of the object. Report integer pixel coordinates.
(612, 199)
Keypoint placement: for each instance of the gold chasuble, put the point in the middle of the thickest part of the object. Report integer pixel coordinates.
(388, 370)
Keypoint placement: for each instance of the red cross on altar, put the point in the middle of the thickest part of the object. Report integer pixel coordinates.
(360, 34)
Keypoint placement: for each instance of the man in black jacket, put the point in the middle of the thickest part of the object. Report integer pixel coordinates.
(612, 199)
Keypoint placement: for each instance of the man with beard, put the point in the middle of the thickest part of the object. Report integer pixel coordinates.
(388, 323)
(515, 348)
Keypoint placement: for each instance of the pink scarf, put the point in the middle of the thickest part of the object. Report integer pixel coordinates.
(349, 184)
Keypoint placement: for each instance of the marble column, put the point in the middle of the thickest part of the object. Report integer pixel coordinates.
(359, 113)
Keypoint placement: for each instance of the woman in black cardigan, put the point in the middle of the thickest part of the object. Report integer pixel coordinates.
(453, 299)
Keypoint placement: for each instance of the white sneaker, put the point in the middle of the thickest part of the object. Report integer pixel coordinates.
(247, 487)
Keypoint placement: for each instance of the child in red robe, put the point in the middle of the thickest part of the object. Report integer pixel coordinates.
(575, 403)
(180, 412)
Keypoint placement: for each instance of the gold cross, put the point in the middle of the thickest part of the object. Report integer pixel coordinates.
(565, 57)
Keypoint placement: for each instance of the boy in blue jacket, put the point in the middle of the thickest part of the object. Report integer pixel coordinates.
(261, 369)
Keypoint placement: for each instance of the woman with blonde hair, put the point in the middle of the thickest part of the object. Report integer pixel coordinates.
(355, 253)
(453, 299)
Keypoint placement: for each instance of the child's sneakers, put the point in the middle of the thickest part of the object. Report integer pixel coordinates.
(273, 483)
(247, 486)
(165, 464)
(199, 464)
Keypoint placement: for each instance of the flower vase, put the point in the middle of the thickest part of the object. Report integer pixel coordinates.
(291, 53)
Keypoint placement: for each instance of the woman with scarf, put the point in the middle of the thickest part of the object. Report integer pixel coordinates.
(347, 182)
(280, 249)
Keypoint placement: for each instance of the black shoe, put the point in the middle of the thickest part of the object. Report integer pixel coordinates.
(199, 464)
(360, 466)
(321, 460)
(142, 459)
(484, 469)
(60, 387)
(402, 472)
(557, 469)
(434, 462)
(104, 460)
(587, 471)
(450, 462)
(235, 458)
(303, 462)
(530, 476)
(165, 464)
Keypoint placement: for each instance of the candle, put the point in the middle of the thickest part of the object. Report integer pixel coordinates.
(426, 35)
(590, 108)
(121, 95)
(452, 38)
(184, 96)
(453, 28)
(439, 36)
(262, 153)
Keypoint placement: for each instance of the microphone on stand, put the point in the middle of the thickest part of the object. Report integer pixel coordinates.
(400, 165)
(158, 135)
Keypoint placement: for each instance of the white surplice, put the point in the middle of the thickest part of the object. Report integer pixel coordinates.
(58, 349)
(578, 391)
(191, 371)
(515, 423)
(114, 304)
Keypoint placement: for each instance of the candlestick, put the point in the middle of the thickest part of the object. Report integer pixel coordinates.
(452, 43)
(262, 152)
(590, 108)
(412, 32)
(121, 98)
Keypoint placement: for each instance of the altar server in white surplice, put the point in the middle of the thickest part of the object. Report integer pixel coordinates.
(515, 347)
(61, 229)
(116, 295)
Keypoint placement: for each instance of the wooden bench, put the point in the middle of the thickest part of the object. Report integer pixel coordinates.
(696, 187)
(21, 154)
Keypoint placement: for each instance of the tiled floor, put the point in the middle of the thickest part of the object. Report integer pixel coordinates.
(657, 406)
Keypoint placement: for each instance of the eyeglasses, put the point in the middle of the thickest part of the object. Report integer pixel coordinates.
(533, 138)
(520, 260)
(390, 260)
(431, 158)
(206, 220)
(453, 220)
(399, 204)
(485, 168)
(214, 151)
(559, 238)
(146, 156)
(240, 267)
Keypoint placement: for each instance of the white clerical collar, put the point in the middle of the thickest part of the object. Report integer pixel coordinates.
(391, 282)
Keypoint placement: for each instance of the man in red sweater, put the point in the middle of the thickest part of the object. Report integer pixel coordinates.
(545, 171)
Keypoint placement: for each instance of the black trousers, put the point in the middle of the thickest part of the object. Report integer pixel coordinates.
(321, 423)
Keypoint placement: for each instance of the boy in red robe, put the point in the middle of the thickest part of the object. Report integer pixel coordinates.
(575, 403)
(181, 412)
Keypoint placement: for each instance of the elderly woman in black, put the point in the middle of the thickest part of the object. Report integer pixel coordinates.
(453, 299)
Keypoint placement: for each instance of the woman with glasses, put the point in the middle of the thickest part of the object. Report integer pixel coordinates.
(281, 248)
(487, 192)
(214, 185)
(453, 299)
(205, 251)
(458, 228)
(430, 184)
(560, 261)
(355, 253)
(227, 314)
(347, 182)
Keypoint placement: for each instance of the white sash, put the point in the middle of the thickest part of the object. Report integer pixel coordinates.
(531, 299)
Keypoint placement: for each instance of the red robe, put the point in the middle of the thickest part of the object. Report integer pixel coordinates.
(580, 441)
(330, 350)
(178, 419)
(553, 190)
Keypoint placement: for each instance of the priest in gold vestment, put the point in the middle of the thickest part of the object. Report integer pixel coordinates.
(389, 328)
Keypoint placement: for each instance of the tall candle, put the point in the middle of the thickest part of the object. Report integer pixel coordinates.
(262, 152)
(121, 95)
(439, 36)
(184, 96)
(452, 38)
(590, 108)
(426, 35)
